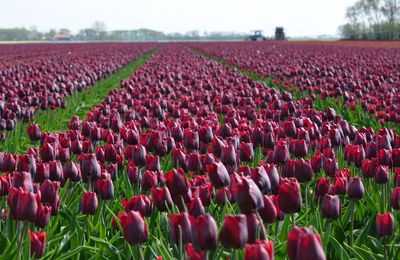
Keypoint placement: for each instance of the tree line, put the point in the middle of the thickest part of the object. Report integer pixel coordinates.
(372, 20)
(98, 32)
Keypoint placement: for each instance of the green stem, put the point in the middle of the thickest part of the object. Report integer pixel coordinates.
(293, 220)
(352, 221)
(264, 232)
(139, 246)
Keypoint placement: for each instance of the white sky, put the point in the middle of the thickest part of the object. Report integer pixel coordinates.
(299, 17)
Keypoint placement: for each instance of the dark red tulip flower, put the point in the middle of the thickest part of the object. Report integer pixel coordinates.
(56, 171)
(289, 196)
(42, 172)
(134, 227)
(302, 170)
(149, 180)
(262, 249)
(330, 206)
(252, 226)
(49, 191)
(218, 174)
(205, 134)
(204, 233)
(196, 207)
(23, 204)
(330, 166)
(192, 253)
(137, 153)
(288, 168)
(89, 203)
(385, 224)
(228, 155)
(194, 163)
(246, 152)
(281, 152)
(179, 158)
(177, 182)
(34, 132)
(355, 188)
(317, 162)
(27, 163)
(38, 243)
(395, 198)
(47, 152)
(382, 174)
(303, 244)
(339, 186)
(191, 140)
(110, 153)
(222, 195)
(300, 148)
(133, 172)
(72, 171)
(385, 157)
(322, 186)
(273, 176)
(22, 180)
(106, 189)
(234, 232)
(368, 168)
(55, 206)
(180, 224)
(162, 198)
(140, 203)
(260, 177)
(153, 163)
(268, 213)
(248, 196)
(42, 216)
(90, 167)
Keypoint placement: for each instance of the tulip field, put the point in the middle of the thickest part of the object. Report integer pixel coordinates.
(211, 150)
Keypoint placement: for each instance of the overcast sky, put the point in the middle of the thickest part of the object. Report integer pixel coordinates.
(299, 17)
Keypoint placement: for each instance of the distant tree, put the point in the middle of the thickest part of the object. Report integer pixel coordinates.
(64, 31)
(100, 29)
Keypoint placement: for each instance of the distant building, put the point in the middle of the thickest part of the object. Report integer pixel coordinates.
(62, 37)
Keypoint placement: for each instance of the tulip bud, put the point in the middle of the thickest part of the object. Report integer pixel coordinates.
(246, 152)
(304, 244)
(140, 203)
(385, 224)
(162, 198)
(23, 204)
(177, 182)
(268, 213)
(38, 243)
(218, 174)
(180, 225)
(106, 189)
(234, 232)
(262, 249)
(204, 232)
(134, 227)
(89, 203)
(289, 196)
(355, 188)
(302, 170)
(330, 206)
(248, 196)
(395, 198)
(381, 174)
(34, 132)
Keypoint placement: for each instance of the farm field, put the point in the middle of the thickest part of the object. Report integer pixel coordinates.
(200, 150)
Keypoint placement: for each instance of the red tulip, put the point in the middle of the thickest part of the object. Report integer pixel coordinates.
(289, 196)
(330, 206)
(23, 204)
(385, 224)
(204, 233)
(248, 196)
(89, 203)
(218, 174)
(106, 189)
(34, 132)
(262, 249)
(140, 203)
(233, 233)
(38, 243)
(180, 224)
(162, 198)
(355, 188)
(304, 244)
(134, 227)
